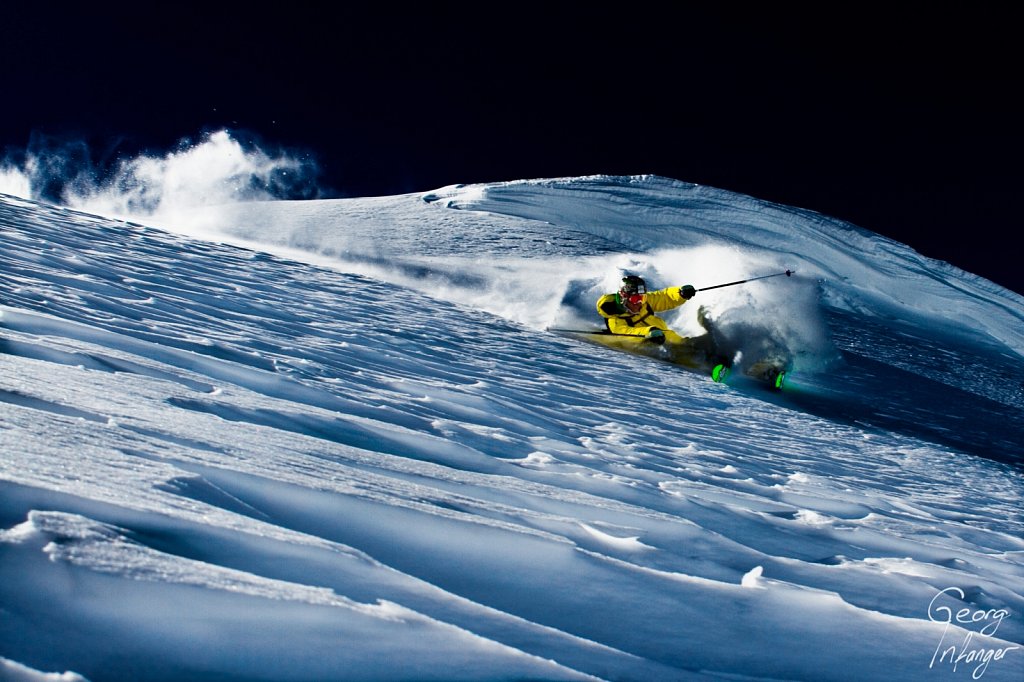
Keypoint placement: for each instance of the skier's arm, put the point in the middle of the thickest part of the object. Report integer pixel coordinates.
(617, 325)
(667, 299)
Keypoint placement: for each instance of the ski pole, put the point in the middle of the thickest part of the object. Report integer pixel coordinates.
(787, 273)
(602, 332)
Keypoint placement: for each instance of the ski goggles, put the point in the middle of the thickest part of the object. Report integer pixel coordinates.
(633, 300)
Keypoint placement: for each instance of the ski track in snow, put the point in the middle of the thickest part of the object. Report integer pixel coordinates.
(214, 465)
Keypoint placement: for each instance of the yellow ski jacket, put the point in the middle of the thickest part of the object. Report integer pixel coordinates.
(621, 321)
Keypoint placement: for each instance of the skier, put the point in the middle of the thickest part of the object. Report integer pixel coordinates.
(631, 324)
(631, 313)
(632, 310)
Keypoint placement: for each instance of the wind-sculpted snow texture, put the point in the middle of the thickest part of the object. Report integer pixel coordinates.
(338, 456)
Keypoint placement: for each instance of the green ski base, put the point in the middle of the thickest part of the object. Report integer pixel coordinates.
(719, 373)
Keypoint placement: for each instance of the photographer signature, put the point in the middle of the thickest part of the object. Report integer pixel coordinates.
(986, 622)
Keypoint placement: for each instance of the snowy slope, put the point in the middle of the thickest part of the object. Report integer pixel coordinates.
(332, 440)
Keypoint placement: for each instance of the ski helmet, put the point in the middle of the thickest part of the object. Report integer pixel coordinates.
(631, 285)
(631, 295)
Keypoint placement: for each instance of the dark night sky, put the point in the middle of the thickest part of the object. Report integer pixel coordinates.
(905, 122)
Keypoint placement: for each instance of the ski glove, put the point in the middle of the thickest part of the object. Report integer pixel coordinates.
(687, 292)
(656, 336)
